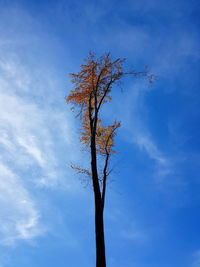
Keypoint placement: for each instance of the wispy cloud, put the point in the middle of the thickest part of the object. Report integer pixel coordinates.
(26, 125)
(163, 164)
(19, 217)
(36, 144)
(136, 129)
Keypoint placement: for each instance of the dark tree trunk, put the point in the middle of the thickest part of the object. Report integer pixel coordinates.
(99, 223)
(99, 232)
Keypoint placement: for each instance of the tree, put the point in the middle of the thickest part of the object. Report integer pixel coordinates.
(92, 90)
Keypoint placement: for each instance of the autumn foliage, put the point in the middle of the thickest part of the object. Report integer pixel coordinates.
(92, 89)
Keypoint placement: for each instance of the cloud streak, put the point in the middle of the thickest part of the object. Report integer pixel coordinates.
(19, 217)
(35, 144)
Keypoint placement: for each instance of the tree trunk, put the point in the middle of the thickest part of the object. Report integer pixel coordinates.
(99, 233)
(99, 224)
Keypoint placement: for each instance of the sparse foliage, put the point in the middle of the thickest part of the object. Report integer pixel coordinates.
(92, 89)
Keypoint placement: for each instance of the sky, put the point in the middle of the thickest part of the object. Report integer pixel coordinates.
(152, 213)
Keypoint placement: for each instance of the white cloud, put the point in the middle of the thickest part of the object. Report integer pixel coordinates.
(32, 149)
(31, 130)
(19, 218)
(36, 144)
(152, 150)
(15, 73)
(163, 163)
(135, 127)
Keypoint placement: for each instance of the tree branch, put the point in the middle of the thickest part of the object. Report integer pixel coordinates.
(105, 179)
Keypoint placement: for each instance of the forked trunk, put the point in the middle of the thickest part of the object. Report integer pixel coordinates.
(99, 224)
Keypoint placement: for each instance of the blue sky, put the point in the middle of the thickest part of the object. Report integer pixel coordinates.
(152, 213)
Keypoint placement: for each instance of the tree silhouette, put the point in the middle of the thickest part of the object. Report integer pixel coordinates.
(92, 90)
